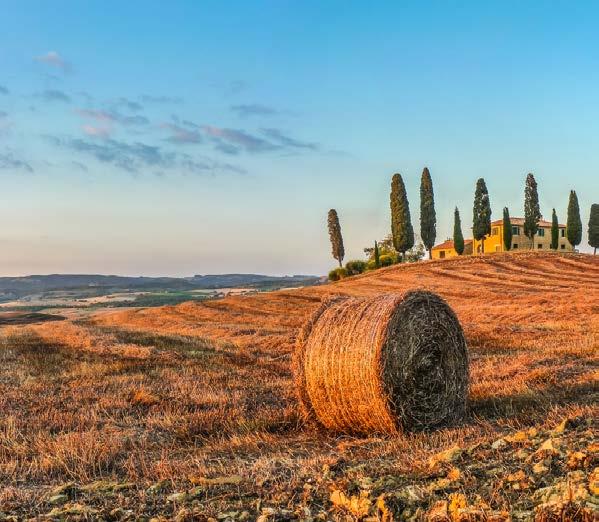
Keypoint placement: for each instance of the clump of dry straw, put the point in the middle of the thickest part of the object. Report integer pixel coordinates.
(382, 365)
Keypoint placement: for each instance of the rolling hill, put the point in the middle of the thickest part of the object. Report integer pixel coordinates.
(514, 293)
(188, 412)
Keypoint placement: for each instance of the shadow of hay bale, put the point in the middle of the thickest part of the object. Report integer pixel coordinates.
(386, 364)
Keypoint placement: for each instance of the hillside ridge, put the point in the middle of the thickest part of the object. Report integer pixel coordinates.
(472, 285)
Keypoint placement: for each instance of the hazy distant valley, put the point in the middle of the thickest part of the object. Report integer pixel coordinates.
(65, 291)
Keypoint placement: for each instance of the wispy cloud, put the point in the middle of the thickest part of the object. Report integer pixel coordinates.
(80, 166)
(95, 115)
(136, 119)
(54, 59)
(135, 157)
(232, 141)
(148, 98)
(253, 109)
(182, 135)
(52, 95)
(128, 104)
(97, 131)
(5, 123)
(286, 141)
(8, 161)
(107, 120)
(3, 90)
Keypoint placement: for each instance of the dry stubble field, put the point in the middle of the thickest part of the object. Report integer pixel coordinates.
(188, 412)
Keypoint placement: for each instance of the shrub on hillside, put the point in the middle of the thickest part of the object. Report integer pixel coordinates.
(388, 260)
(337, 273)
(371, 265)
(355, 267)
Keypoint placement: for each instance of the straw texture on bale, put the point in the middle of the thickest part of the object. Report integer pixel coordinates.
(382, 365)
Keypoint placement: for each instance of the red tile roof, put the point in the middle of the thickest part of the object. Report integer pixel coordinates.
(520, 221)
(449, 244)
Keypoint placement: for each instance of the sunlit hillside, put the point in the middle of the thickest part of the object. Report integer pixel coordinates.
(189, 410)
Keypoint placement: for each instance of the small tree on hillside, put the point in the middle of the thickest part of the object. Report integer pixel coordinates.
(507, 230)
(458, 237)
(481, 215)
(532, 213)
(401, 222)
(574, 224)
(385, 248)
(428, 218)
(377, 256)
(594, 227)
(554, 231)
(415, 254)
(335, 236)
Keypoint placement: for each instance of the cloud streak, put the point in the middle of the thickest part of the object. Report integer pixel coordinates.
(95, 115)
(253, 109)
(131, 105)
(5, 123)
(54, 95)
(148, 98)
(9, 162)
(107, 120)
(54, 59)
(182, 135)
(286, 141)
(96, 131)
(135, 157)
(232, 141)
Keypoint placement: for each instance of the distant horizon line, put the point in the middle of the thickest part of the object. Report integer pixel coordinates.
(97, 274)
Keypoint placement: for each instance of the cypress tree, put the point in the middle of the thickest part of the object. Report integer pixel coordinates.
(335, 236)
(458, 237)
(507, 230)
(554, 231)
(594, 227)
(481, 215)
(377, 256)
(428, 218)
(532, 213)
(574, 224)
(401, 222)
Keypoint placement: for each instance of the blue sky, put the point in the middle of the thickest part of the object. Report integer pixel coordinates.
(176, 138)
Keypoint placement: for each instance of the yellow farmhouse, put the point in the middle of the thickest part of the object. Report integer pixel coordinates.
(494, 241)
(542, 239)
(446, 249)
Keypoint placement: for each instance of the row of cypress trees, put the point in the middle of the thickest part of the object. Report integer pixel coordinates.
(481, 223)
(401, 223)
(403, 232)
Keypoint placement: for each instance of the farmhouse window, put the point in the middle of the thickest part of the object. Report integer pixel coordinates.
(515, 231)
(563, 247)
(563, 233)
(442, 254)
(541, 232)
(539, 245)
(495, 231)
(515, 245)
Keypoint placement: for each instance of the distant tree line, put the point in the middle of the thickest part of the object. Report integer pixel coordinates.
(400, 246)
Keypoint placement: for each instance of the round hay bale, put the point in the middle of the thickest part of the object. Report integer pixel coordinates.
(384, 364)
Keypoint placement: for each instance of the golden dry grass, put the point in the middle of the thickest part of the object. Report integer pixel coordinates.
(178, 394)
